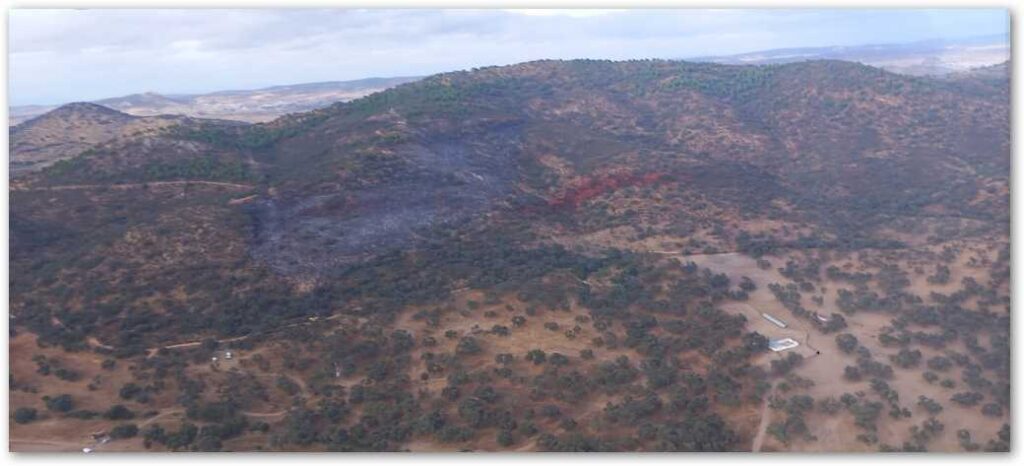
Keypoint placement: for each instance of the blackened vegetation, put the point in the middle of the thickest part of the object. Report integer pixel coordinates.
(439, 183)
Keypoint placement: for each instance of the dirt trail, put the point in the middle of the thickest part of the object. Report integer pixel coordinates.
(242, 200)
(175, 412)
(26, 445)
(161, 415)
(190, 344)
(274, 414)
(129, 185)
(762, 428)
(96, 343)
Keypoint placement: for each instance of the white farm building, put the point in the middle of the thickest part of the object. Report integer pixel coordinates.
(773, 319)
(782, 344)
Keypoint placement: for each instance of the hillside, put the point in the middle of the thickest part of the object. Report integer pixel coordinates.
(820, 137)
(923, 58)
(68, 131)
(242, 105)
(554, 255)
(84, 128)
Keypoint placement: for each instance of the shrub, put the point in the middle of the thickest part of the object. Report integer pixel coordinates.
(929, 404)
(61, 403)
(505, 438)
(119, 412)
(25, 415)
(468, 346)
(992, 409)
(967, 398)
(129, 391)
(124, 431)
(846, 342)
(536, 356)
(558, 359)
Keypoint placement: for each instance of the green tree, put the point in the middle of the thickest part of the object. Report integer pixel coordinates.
(124, 431)
(60, 403)
(25, 415)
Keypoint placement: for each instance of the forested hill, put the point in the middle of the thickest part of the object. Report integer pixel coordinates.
(507, 256)
(842, 145)
(836, 150)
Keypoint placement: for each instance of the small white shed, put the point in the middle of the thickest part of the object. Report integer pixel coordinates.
(782, 344)
(774, 320)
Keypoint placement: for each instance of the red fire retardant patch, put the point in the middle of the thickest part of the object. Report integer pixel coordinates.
(589, 187)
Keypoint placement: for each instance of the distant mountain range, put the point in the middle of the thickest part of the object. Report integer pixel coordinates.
(243, 105)
(933, 57)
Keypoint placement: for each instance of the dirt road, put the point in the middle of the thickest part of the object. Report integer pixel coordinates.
(766, 419)
(159, 416)
(191, 344)
(36, 445)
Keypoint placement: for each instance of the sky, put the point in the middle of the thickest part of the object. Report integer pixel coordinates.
(59, 56)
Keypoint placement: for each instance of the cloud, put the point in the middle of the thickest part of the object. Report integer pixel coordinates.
(64, 55)
(572, 13)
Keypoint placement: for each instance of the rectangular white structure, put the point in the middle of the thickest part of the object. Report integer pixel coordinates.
(782, 344)
(773, 320)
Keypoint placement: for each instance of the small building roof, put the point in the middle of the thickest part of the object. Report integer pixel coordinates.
(782, 344)
(773, 319)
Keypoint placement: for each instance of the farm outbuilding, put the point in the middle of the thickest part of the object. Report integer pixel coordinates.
(782, 344)
(774, 320)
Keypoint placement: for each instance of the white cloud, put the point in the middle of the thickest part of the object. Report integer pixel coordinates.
(572, 13)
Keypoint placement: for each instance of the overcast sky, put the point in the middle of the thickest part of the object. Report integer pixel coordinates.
(58, 56)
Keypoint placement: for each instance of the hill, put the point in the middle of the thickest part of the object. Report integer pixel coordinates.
(554, 255)
(821, 137)
(922, 58)
(71, 129)
(243, 105)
